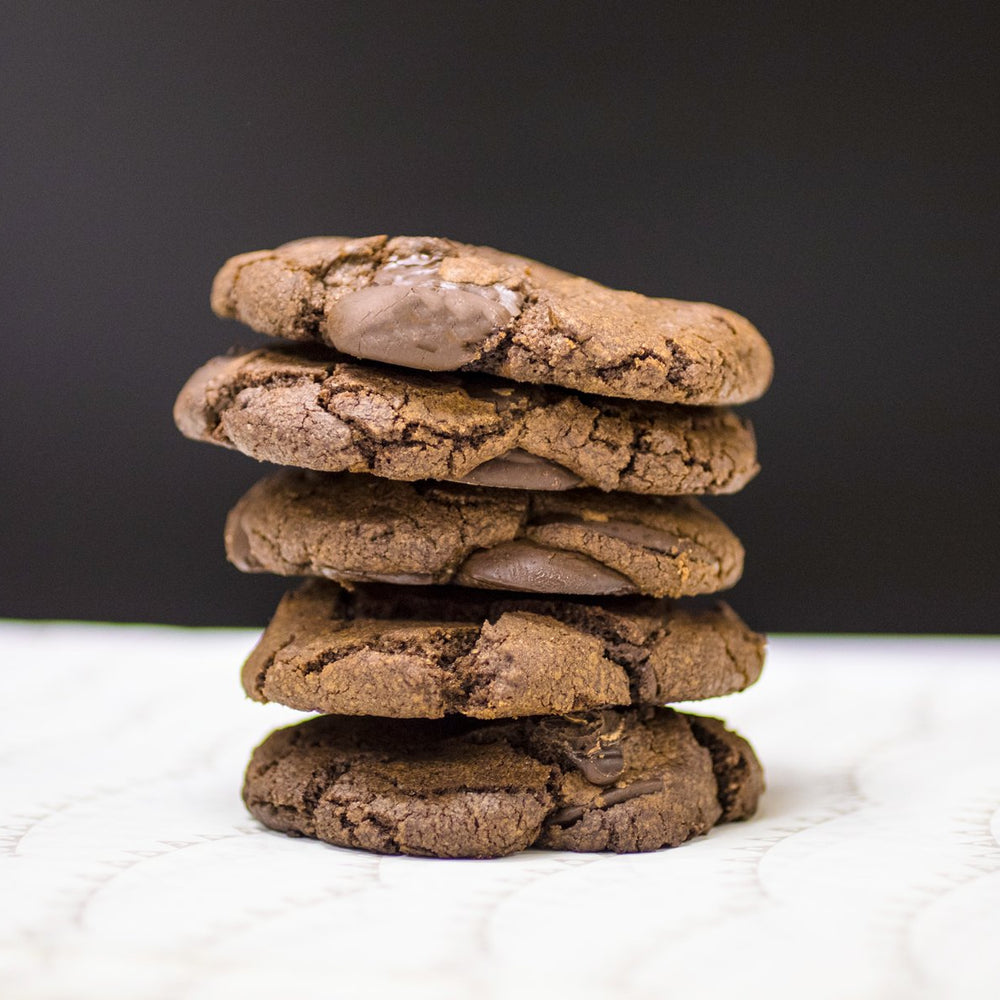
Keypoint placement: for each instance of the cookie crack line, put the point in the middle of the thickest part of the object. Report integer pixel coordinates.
(260, 678)
(739, 777)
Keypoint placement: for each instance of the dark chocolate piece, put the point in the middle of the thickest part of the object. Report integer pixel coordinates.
(523, 565)
(564, 817)
(590, 742)
(517, 470)
(409, 316)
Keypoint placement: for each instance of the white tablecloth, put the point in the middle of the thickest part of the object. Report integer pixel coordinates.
(128, 868)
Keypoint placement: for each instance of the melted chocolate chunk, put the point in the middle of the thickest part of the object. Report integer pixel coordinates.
(563, 817)
(590, 742)
(520, 470)
(601, 767)
(409, 316)
(526, 566)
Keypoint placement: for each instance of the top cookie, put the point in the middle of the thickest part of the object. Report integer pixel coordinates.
(437, 305)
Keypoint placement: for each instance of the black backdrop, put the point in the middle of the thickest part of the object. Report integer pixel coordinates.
(831, 176)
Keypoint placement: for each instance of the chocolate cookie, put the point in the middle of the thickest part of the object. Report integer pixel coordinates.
(606, 781)
(428, 652)
(438, 305)
(357, 528)
(292, 407)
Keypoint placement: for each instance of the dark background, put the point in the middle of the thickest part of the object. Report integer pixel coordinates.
(828, 172)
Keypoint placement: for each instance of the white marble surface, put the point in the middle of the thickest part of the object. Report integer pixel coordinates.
(128, 868)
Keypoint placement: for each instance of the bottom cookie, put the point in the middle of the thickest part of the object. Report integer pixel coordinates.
(612, 780)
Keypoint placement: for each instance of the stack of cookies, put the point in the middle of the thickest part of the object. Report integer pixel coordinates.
(489, 469)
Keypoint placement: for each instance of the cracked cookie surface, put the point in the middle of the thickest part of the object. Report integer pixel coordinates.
(438, 305)
(358, 528)
(429, 652)
(623, 781)
(295, 407)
